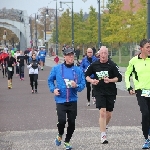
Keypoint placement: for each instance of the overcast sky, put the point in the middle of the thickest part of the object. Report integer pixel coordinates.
(32, 6)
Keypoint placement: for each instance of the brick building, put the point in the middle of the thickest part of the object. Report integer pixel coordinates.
(127, 4)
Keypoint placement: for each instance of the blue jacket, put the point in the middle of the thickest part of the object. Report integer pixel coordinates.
(42, 54)
(85, 63)
(66, 94)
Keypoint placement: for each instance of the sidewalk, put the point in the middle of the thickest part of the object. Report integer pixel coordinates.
(120, 138)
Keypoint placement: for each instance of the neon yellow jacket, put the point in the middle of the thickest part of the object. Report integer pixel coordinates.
(140, 70)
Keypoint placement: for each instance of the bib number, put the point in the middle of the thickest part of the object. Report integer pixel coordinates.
(10, 68)
(68, 83)
(145, 93)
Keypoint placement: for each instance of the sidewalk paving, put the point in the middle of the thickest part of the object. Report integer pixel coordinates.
(120, 138)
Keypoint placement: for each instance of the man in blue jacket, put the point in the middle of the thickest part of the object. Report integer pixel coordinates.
(42, 55)
(86, 61)
(69, 80)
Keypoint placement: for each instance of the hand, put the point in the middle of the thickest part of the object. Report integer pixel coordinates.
(56, 92)
(39, 65)
(95, 82)
(73, 84)
(13, 64)
(106, 80)
(131, 92)
(31, 64)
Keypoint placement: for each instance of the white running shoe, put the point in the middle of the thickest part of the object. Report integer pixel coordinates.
(88, 104)
(94, 100)
(104, 140)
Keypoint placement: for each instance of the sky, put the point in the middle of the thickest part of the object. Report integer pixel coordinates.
(32, 6)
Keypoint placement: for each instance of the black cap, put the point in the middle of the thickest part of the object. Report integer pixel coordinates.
(68, 51)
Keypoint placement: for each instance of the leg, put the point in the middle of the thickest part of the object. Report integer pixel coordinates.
(41, 63)
(142, 102)
(108, 117)
(3, 70)
(102, 119)
(88, 86)
(101, 104)
(35, 81)
(22, 72)
(61, 113)
(31, 81)
(109, 107)
(71, 117)
(9, 78)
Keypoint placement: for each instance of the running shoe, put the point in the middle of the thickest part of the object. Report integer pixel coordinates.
(67, 146)
(104, 140)
(88, 104)
(58, 140)
(146, 144)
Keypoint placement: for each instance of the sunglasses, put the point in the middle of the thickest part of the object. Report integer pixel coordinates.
(89, 52)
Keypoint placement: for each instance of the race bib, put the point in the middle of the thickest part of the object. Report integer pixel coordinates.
(10, 68)
(68, 83)
(102, 74)
(145, 93)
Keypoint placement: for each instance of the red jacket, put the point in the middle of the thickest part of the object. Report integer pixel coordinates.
(56, 59)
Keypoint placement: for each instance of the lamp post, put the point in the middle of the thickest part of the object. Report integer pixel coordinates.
(30, 22)
(99, 24)
(56, 30)
(148, 19)
(36, 17)
(61, 9)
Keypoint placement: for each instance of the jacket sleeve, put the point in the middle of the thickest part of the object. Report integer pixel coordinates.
(89, 71)
(128, 74)
(81, 85)
(82, 65)
(117, 73)
(51, 79)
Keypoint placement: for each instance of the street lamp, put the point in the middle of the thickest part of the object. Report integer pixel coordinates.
(45, 15)
(36, 17)
(148, 19)
(30, 23)
(56, 18)
(61, 9)
(99, 24)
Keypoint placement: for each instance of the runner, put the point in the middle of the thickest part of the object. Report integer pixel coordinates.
(21, 60)
(42, 55)
(33, 72)
(69, 80)
(10, 63)
(105, 73)
(139, 68)
(3, 55)
(17, 64)
(86, 61)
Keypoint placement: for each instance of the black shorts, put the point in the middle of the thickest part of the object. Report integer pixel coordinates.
(69, 108)
(105, 101)
(10, 74)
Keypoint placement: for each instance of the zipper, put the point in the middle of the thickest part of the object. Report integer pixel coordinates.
(67, 100)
